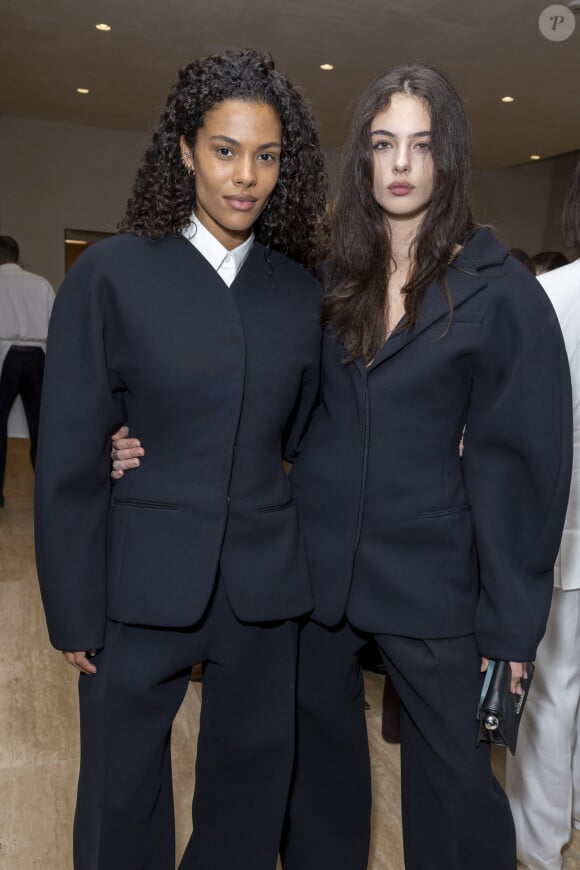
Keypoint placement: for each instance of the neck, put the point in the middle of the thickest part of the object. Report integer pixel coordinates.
(229, 238)
(402, 234)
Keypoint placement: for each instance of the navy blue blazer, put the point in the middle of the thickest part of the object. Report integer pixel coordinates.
(219, 383)
(403, 535)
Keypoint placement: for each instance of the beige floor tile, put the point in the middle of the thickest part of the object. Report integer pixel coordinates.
(36, 813)
(183, 747)
(19, 475)
(38, 709)
(572, 853)
(386, 843)
(22, 623)
(25, 573)
(16, 553)
(16, 517)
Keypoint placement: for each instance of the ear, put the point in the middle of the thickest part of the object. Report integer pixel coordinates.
(185, 149)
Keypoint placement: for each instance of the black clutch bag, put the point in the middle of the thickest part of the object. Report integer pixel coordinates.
(500, 711)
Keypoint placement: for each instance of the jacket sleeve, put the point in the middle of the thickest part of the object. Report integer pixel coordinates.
(517, 465)
(302, 412)
(78, 413)
(308, 393)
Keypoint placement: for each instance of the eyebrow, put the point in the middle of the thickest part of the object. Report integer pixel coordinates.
(411, 136)
(235, 142)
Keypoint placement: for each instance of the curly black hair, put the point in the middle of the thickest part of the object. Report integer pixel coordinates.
(294, 221)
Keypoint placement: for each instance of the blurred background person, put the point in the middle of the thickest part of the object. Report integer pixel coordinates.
(523, 258)
(543, 779)
(25, 307)
(545, 261)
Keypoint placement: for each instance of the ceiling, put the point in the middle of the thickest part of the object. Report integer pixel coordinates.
(488, 48)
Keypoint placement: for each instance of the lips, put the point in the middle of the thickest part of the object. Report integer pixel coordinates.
(241, 203)
(400, 189)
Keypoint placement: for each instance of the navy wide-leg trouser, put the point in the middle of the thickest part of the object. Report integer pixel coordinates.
(124, 817)
(455, 815)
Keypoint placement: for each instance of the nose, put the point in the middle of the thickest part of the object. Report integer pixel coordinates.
(244, 171)
(401, 163)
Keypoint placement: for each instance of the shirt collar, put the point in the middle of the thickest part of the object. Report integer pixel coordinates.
(213, 251)
(10, 267)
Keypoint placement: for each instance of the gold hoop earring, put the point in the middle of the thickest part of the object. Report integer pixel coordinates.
(189, 167)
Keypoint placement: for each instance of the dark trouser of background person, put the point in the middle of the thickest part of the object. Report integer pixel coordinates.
(455, 814)
(21, 375)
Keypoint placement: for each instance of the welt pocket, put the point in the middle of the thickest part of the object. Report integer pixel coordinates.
(445, 512)
(275, 507)
(474, 317)
(144, 503)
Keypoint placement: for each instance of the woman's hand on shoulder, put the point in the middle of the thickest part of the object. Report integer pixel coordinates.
(125, 452)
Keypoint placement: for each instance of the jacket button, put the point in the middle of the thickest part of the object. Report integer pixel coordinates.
(228, 501)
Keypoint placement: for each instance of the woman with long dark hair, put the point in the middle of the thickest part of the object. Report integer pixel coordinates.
(434, 338)
(432, 331)
(194, 314)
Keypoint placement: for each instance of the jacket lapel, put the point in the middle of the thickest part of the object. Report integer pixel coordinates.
(464, 281)
(251, 273)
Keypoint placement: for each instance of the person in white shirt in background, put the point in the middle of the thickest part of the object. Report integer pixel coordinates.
(543, 778)
(25, 307)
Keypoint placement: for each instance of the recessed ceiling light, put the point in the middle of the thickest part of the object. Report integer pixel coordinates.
(83, 91)
(508, 99)
(326, 66)
(105, 27)
(535, 157)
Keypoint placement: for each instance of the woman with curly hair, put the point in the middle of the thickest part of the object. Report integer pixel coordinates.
(196, 328)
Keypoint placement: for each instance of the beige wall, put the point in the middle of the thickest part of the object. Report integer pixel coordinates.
(55, 176)
(524, 203)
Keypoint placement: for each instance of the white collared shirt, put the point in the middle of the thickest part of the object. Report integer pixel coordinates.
(25, 306)
(226, 263)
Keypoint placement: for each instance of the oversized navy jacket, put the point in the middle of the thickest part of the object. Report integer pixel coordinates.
(219, 383)
(401, 534)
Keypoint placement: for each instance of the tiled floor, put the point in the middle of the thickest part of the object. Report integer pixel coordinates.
(38, 720)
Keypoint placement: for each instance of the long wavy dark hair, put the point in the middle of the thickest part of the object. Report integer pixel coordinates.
(571, 213)
(356, 298)
(294, 221)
